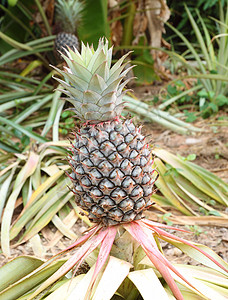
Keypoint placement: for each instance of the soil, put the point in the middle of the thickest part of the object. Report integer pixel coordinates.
(211, 149)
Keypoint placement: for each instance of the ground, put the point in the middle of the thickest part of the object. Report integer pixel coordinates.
(211, 151)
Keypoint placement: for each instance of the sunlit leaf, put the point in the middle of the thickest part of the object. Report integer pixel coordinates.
(148, 284)
(110, 281)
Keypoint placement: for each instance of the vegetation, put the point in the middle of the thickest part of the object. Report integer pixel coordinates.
(211, 68)
(36, 120)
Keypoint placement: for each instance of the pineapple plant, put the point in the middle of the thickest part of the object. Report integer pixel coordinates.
(113, 179)
(112, 166)
(68, 15)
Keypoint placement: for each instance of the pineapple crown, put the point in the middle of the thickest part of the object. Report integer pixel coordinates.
(93, 86)
(69, 14)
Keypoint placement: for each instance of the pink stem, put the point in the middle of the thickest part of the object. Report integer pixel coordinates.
(148, 243)
(105, 249)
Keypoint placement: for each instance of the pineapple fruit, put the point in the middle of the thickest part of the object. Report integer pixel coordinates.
(111, 162)
(69, 15)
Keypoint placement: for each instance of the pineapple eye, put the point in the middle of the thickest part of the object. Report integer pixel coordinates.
(143, 161)
(140, 204)
(130, 126)
(106, 184)
(83, 150)
(95, 173)
(128, 182)
(105, 165)
(106, 203)
(113, 136)
(87, 162)
(128, 138)
(136, 171)
(139, 145)
(112, 156)
(118, 127)
(107, 146)
(97, 153)
(116, 214)
(137, 192)
(127, 204)
(94, 142)
(124, 164)
(129, 216)
(118, 193)
(85, 181)
(122, 147)
(148, 190)
(116, 173)
(79, 170)
(78, 189)
(146, 152)
(88, 200)
(145, 179)
(97, 211)
(133, 154)
(76, 157)
(95, 193)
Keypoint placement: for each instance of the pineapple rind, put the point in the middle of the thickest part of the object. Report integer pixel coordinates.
(112, 172)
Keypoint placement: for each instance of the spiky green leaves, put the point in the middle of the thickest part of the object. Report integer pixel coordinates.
(93, 86)
(69, 14)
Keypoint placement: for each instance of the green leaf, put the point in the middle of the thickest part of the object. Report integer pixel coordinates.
(214, 213)
(13, 270)
(27, 132)
(144, 71)
(213, 106)
(12, 2)
(164, 182)
(221, 100)
(191, 157)
(199, 179)
(172, 90)
(191, 117)
(30, 281)
(26, 172)
(203, 93)
(95, 22)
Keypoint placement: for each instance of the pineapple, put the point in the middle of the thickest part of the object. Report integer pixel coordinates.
(68, 15)
(111, 162)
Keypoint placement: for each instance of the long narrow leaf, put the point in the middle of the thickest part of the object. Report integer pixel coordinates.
(85, 249)
(5, 188)
(12, 271)
(146, 281)
(27, 132)
(109, 282)
(25, 172)
(105, 249)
